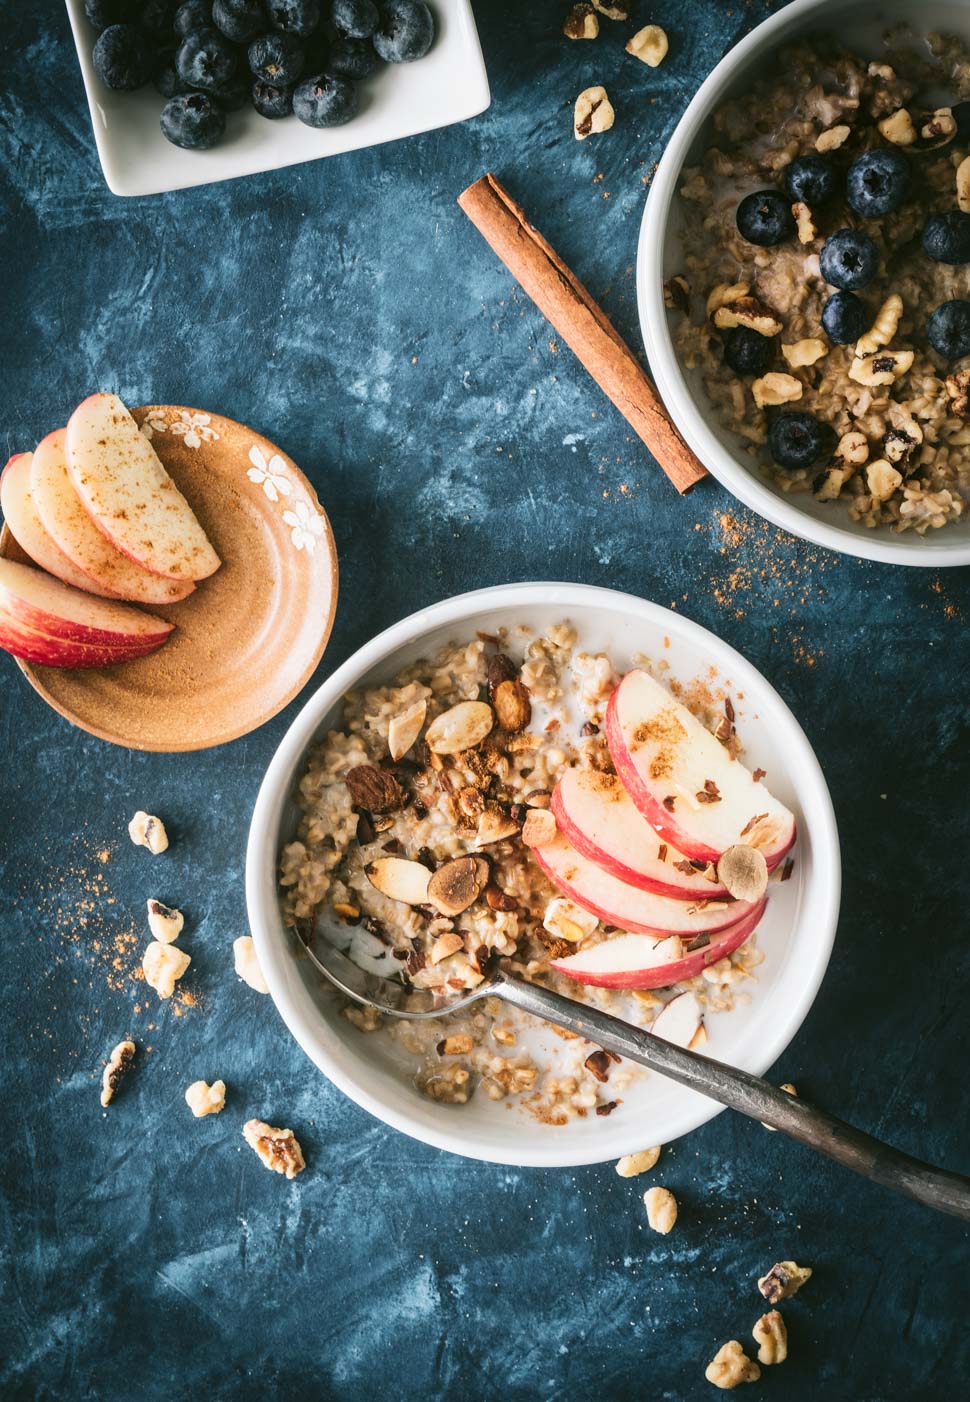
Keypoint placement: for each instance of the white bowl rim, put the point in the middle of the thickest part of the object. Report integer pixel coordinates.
(917, 551)
(261, 854)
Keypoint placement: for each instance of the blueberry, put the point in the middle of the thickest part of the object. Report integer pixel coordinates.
(746, 352)
(325, 101)
(849, 259)
(272, 102)
(157, 17)
(165, 79)
(765, 218)
(406, 31)
(358, 18)
(844, 318)
(193, 121)
(299, 17)
(205, 59)
(946, 238)
(234, 93)
(877, 183)
(277, 59)
(123, 57)
(353, 58)
(238, 20)
(961, 112)
(102, 13)
(813, 180)
(194, 14)
(796, 439)
(948, 329)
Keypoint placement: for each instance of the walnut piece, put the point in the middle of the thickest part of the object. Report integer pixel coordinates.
(884, 327)
(883, 479)
(724, 294)
(203, 1099)
(164, 921)
(747, 311)
(771, 1336)
(278, 1148)
(881, 368)
(582, 22)
(403, 730)
(805, 352)
(164, 965)
(458, 884)
(630, 1165)
(731, 1366)
(118, 1063)
(145, 830)
(939, 128)
(776, 388)
(375, 789)
(853, 448)
(593, 113)
(613, 9)
(460, 728)
(649, 44)
(661, 1208)
(784, 1279)
(963, 185)
(898, 128)
(513, 706)
(804, 222)
(832, 139)
(246, 964)
(958, 389)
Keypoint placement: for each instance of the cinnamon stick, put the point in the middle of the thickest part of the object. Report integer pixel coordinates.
(581, 323)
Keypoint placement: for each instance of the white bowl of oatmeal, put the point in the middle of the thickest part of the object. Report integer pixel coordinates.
(915, 512)
(528, 1099)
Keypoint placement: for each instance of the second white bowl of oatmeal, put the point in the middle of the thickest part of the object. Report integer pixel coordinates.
(857, 22)
(796, 935)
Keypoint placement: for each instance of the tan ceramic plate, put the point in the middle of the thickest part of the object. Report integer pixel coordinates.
(251, 635)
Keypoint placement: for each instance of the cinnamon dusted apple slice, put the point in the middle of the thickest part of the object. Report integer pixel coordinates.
(684, 782)
(630, 907)
(641, 961)
(27, 529)
(133, 501)
(600, 819)
(74, 532)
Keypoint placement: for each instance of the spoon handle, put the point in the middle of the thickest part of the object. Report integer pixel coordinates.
(937, 1188)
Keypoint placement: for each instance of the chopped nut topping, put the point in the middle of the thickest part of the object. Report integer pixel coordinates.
(759, 774)
(804, 352)
(444, 946)
(963, 185)
(539, 828)
(725, 294)
(164, 964)
(630, 1165)
(247, 965)
(278, 1148)
(500, 669)
(776, 388)
(399, 879)
(709, 793)
(784, 1279)
(613, 9)
(958, 389)
(582, 22)
(752, 823)
(513, 707)
(771, 1336)
(731, 1366)
(568, 921)
(882, 368)
(495, 825)
(677, 294)
(460, 728)
(649, 44)
(375, 789)
(598, 1065)
(203, 1099)
(940, 128)
(853, 448)
(884, 327)
(458, 884)
(832, 139)
(164, 922)
(749, 312)
(118, 1064)
(661, 1208)
(744, 871)
(898, 128)
(458, 1044)
(669, 802)
(497, 899)
(403, 730)
(804, 222)
(883, 479)
(593, 113)
(145, 830)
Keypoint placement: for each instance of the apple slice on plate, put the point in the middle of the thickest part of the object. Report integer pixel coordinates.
(640, 961)
(73, 531)
(131, 498)
(600, 819)
(27, 529)
(630, 907)
(685, 782)
(45, 621)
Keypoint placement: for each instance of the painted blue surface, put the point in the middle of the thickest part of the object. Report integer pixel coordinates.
(348, 310)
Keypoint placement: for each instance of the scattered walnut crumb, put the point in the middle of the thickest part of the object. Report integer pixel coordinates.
(203, 1099)
(164, 922)
(164, 965)
(246, 963)
(582, 22)
(145, 830)
(118, 1064)
(649, 44)
(661, 1208)
(784, 1279)
(278, 1148)
(593, 113)
(771, 1336)
(630, 1165)
(731, 1366)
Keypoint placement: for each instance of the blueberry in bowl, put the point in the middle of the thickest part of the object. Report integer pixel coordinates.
(299, 17)
(356, 18)
(205, 59)
(102, 13)
(796, 440)
(946, 237)
(849, 260)
(405, 32)
(123, 57)
(233, 95)
(194, 14)
(194, 121)
(844, 318)
(271, 102)
(813, 180)
(877, 183)
(238, 20)
(764, 218)
(325, 101)
(353, 58)
(276, 59)
(157, 17)
(948, 329)
(747, 352)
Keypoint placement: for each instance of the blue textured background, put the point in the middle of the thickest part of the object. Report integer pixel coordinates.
(348, 310)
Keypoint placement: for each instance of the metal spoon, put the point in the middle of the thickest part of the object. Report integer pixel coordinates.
(752, 1096)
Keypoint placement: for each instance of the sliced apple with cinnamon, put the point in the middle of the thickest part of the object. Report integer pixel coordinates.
(24, 524)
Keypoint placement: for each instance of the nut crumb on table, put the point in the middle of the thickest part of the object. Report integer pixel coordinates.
(164, 922)
(117, 1066)
(164, 965)
(593, 113)
(784, 1279)
(731, 1366)
(631, 1165)
(649, 44)
(247, 964)
(771, 1336)
(145, 830)
(278, 1148)
(203, 1099)
(661, 1208)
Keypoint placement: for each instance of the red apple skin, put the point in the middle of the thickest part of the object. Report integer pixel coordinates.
(701, 889)
(45, 651)
(23, 521)
(665, 975)
(655, 813)
(40, 604)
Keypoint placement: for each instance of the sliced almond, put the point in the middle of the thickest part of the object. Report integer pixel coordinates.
(495, 825)
(404, 729)
(460, 728)
(744, 871)
(458, 884)
(679, 1020)
(444, 946)
(539, 828)
(568, 921)
(399, 879)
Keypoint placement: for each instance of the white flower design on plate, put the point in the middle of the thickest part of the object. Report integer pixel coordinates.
(195, 429)
(271, 476)
(306, 526)
(153, 424)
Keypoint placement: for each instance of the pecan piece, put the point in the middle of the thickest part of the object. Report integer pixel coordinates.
(513, 706)
(374, 789)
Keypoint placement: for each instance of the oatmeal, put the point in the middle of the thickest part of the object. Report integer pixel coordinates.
(824, 292)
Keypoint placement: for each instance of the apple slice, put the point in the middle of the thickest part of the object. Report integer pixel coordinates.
(73, 531)
(684, 782)
(630, 907)
(26, 527)
(600, 819)
(37, 612)
(131, 498)
(640, 961)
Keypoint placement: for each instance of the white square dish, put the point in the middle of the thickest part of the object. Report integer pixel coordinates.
(448, 85)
